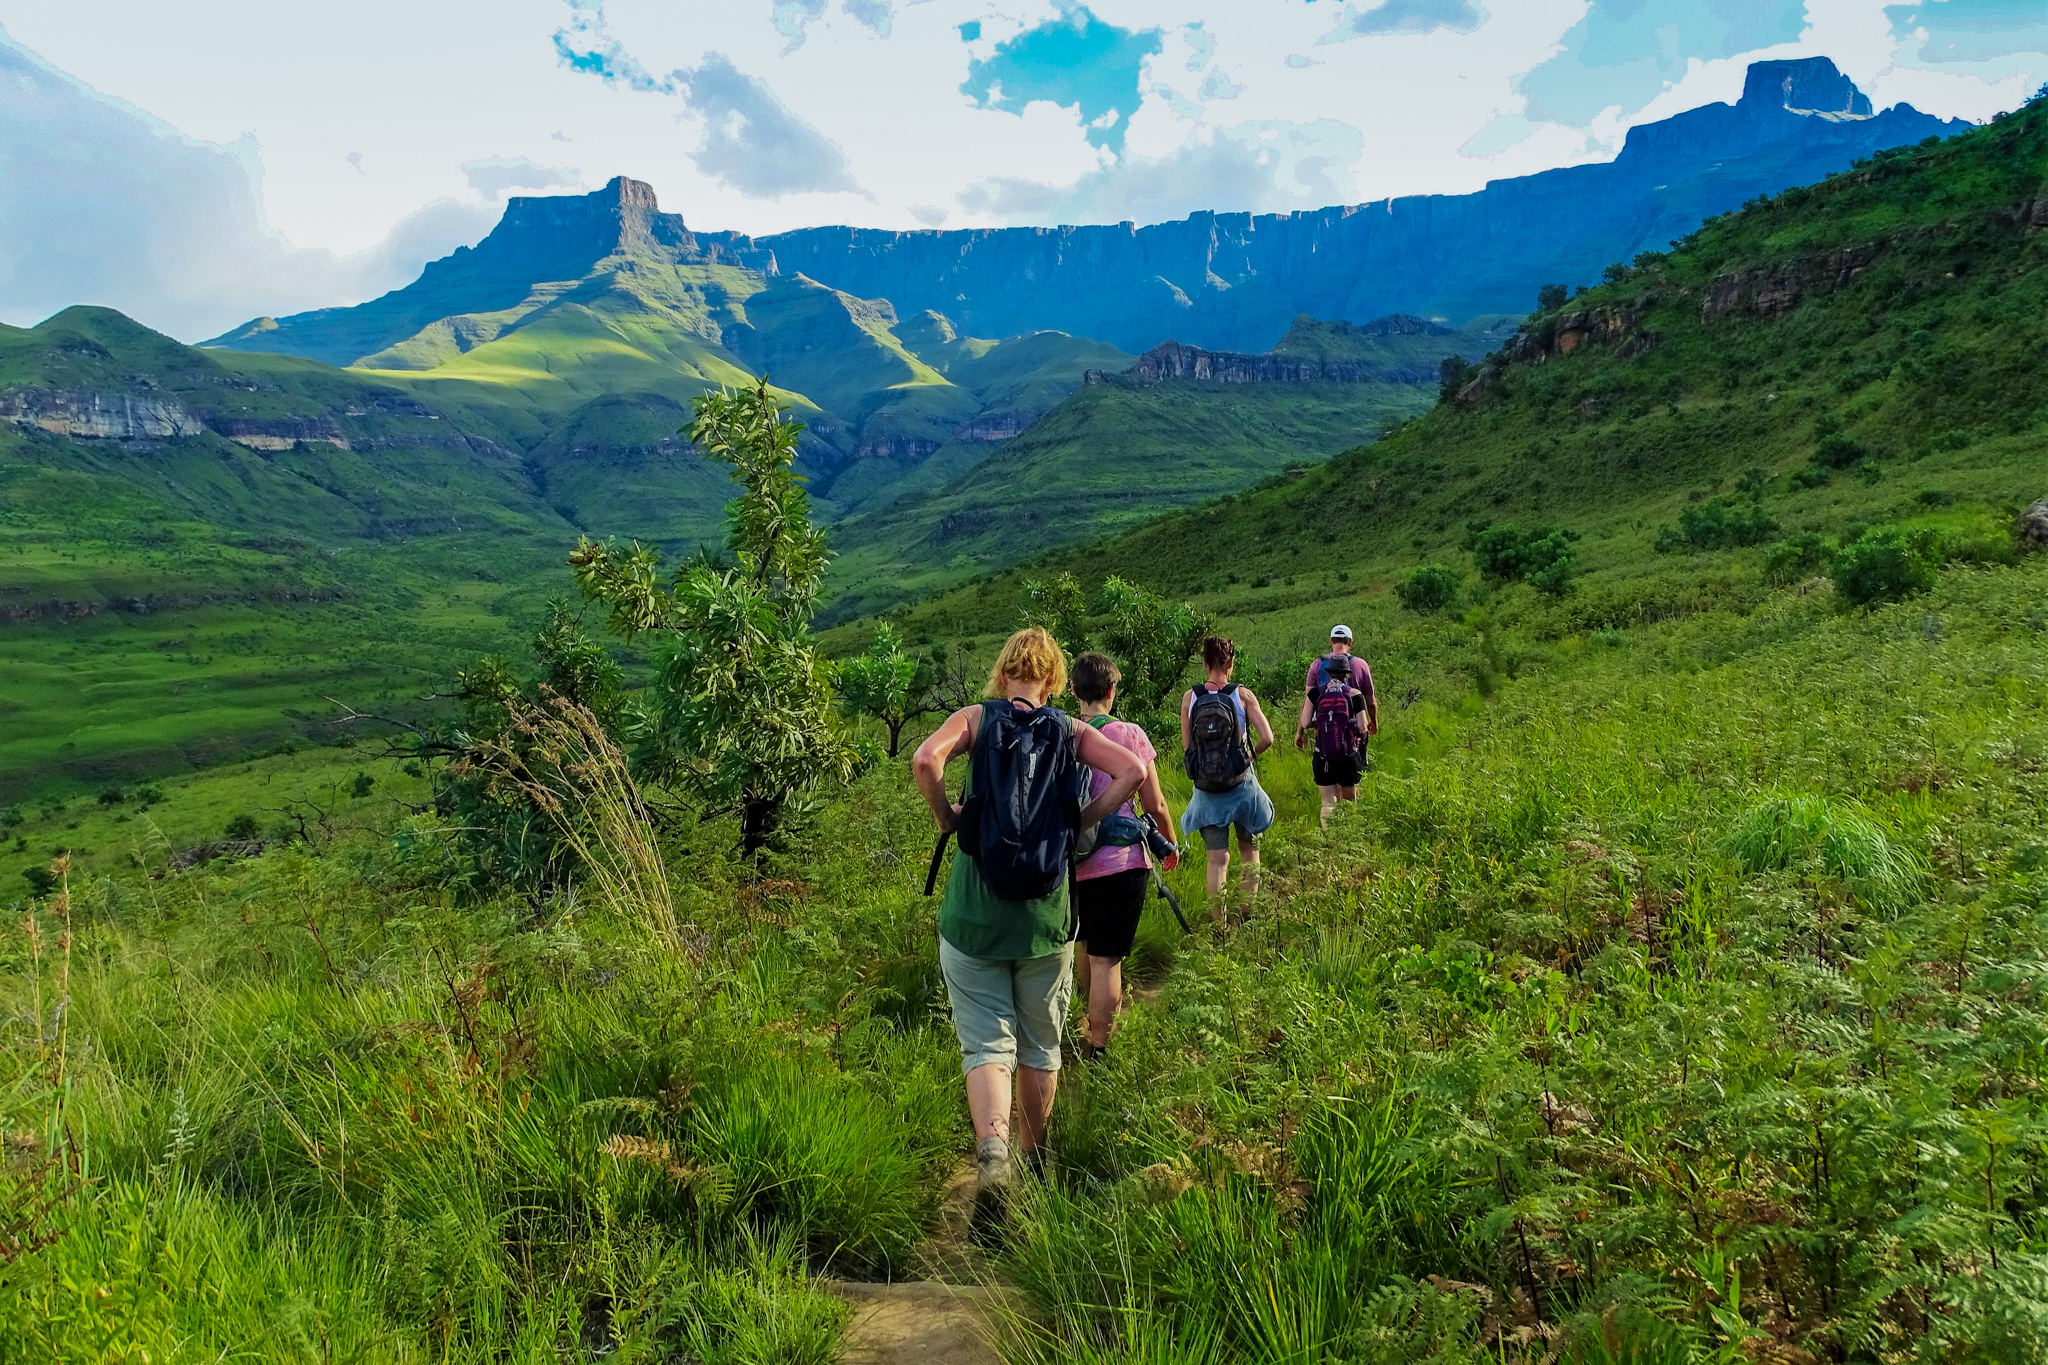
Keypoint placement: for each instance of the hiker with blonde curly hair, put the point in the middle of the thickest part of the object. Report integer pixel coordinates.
(1006, 928)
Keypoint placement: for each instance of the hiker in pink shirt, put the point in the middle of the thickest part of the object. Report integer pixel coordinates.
(1110, 884)
(1338, 704)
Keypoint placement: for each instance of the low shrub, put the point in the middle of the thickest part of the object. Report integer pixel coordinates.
(1718, 525)
(1541, 556)
(1836, 451)
(1428, 588)
(1798, 558)
(1887, 565)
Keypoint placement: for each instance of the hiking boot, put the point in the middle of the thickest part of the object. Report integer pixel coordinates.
(1032, 1159)
(1093, 1052)
(991, 1168)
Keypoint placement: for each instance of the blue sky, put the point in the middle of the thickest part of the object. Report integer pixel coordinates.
(202, 162)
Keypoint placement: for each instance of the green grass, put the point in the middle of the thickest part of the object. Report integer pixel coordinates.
(468, 1111)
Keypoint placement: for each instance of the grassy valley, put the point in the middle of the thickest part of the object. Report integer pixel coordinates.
(1121, 451)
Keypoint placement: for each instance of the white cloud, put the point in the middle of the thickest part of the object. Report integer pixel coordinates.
(106, 205)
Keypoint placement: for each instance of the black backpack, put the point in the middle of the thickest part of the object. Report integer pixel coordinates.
(1217, 758)
(1023, 805)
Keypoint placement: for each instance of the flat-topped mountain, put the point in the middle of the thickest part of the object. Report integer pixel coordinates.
(1225, 281)
(1231, 281)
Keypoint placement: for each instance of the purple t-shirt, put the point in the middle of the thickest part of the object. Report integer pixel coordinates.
(1111, 859)
(1361, 675)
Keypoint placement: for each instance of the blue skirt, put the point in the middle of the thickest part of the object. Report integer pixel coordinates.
(1246, 805)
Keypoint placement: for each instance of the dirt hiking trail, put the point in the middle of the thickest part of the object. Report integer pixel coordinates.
(942, 1320)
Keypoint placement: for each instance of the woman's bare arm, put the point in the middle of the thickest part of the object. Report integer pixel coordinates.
(928, 764)
(1126, 770)
(1152, 797)
(1258, 721)
(1187, 738)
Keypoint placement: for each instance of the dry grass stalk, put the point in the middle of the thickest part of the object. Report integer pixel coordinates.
(558, 757)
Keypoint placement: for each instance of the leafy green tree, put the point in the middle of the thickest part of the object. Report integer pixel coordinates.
(740, 712)
(1058, 605)
(881, 684)
(1428, 587)
(1452, 374)
(1151, 640)
(1551, 297)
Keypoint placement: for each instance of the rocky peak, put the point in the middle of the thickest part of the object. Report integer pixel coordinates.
(636, 194)
(623, 218)
(1807, 85)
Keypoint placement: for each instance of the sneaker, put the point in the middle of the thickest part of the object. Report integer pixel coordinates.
(992, 1168)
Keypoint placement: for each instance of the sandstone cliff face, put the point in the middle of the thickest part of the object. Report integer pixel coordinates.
(99, 416)
(137, 417)
(1171, 360)
(1767, 290)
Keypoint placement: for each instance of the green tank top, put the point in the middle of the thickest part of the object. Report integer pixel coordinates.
(978, 922)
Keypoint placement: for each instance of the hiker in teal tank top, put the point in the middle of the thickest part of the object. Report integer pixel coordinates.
(1008, 963)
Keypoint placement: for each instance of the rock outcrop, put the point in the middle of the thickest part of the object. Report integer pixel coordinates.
(2033, 525)
(142, 417)
(1768, 290)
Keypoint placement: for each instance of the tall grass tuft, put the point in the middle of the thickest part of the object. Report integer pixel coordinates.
(559, 757)
(1836, 839)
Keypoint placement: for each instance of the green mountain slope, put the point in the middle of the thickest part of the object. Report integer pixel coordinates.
(242, 535)
(601, 299)
(1862, 353)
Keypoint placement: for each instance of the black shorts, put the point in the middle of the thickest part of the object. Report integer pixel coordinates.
(1109, 908)
(1337, 770)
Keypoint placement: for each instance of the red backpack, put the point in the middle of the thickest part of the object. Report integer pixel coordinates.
(1335, 706)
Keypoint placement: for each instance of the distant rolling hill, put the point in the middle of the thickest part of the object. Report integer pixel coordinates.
(1178, 427)
(197, 546)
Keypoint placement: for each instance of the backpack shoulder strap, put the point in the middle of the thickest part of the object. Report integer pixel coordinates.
(1228, 689)
(1099, 722)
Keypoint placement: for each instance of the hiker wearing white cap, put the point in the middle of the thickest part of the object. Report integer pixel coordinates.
(1338, 703)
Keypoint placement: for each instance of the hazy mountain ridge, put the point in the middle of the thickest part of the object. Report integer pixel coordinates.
(1231, 281)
